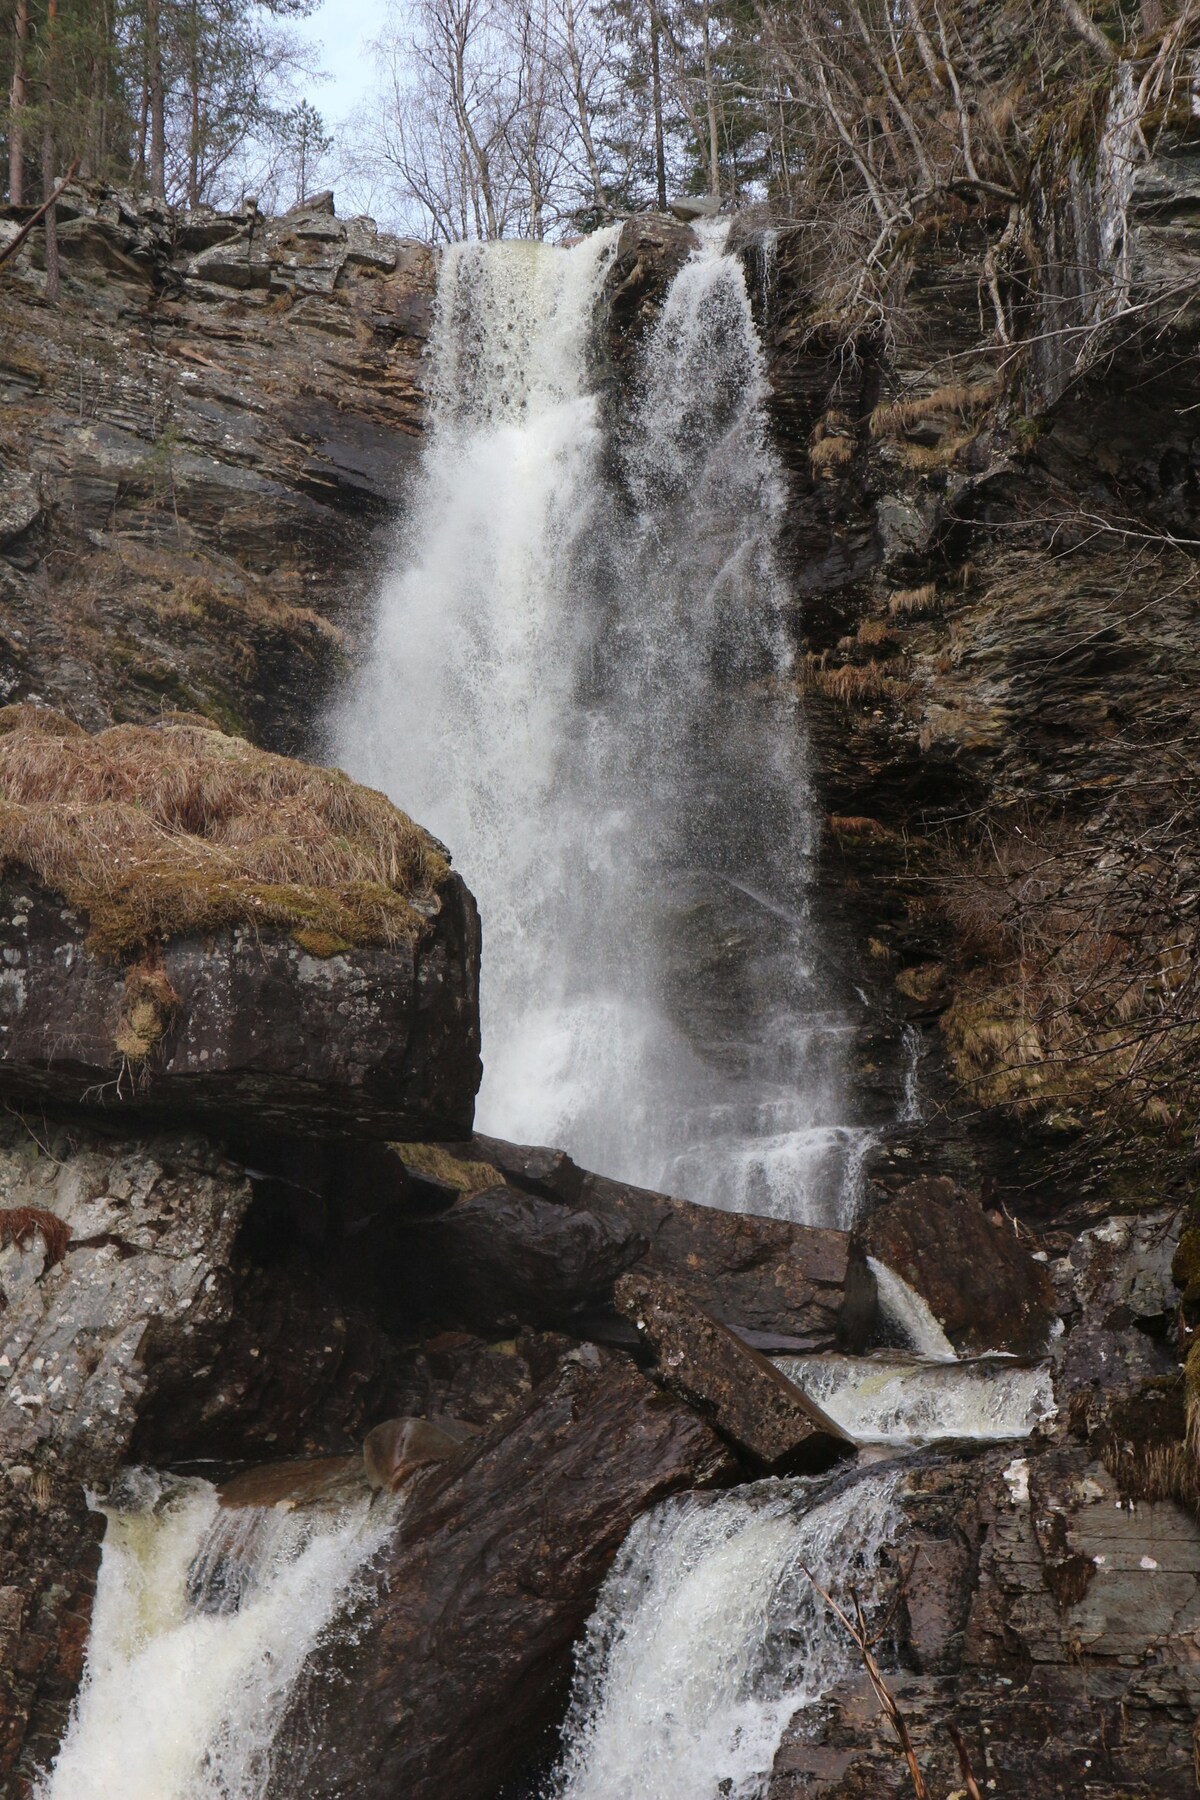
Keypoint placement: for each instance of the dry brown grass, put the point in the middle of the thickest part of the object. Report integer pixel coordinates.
(831, 453)
(1084, 997)
(857, 684)
(19, 1223)
(914, 603)
(965, 399)
(933, 456)
(157, 831)
(875, 631)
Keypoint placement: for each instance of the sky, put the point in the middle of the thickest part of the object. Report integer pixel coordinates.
(341, 32)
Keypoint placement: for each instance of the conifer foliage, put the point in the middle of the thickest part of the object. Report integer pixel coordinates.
(194, 101)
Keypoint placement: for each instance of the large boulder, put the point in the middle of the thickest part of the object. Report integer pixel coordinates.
(782, 1283)
(189, 924)
(977, 1278)
(458, 1660)
(748, 1399)
(503, 1257)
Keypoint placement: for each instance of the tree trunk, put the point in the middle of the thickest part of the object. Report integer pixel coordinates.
(660, 160)
(194, 124)
(52, 273)
(16, 125)
(710, 98)
(158, 136)
(581, 107)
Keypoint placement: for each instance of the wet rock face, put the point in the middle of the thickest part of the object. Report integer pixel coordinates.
(379, 1040)
(203, 446)
(153, 1225)
(978, 666)
(747, 1398)
(1050, 1625)
(650, 250)
(766, 1275)
(982, 1286)
(501, 1257)
(463, 1649)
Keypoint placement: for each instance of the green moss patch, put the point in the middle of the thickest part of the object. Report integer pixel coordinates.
(440, 1164)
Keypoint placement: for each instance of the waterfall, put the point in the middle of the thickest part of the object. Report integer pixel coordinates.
(204, 1618)
(709, 1635)
(579, 679)
(908, 1315)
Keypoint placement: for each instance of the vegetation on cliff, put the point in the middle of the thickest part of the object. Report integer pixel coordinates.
(157, 831)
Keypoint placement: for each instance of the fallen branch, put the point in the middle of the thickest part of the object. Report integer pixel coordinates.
(11, 249)
(857, 1628)
(964, 1763)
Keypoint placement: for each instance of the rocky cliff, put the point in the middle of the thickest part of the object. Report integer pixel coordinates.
(201, 450)
(244, 1254)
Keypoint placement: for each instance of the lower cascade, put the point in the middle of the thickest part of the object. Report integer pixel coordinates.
(712, 1631)
(204, 1619)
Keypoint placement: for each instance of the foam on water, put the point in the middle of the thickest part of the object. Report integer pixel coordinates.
(709, 1635)
(884, 1400)
(578, 681)
(203, 1621)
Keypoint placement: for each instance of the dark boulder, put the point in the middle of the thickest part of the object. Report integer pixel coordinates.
(764, 1276)
(380, 1041)
(190, 924)
(461, 1654)
(748, 1399)
(650, 250)
(504, 1257)
(978, 1280)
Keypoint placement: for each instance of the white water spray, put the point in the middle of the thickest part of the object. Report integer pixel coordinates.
(885, 1399)
(709, 1635)
(578, 680)
(909, 1316)
(203, 1621)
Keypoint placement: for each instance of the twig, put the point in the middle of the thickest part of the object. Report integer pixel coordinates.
(11, 249)
(964, 1763)
(857, 1628)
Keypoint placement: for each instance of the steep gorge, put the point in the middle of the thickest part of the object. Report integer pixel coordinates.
(992, 602)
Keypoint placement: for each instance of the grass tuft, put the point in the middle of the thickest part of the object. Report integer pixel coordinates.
(914, 603)
(173, 829)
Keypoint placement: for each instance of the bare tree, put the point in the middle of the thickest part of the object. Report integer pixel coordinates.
(16, 124)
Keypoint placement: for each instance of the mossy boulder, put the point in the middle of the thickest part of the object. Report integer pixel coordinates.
(189, 924)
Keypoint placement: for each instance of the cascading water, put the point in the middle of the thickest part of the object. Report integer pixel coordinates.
(885, 1399)
(204, 1618)
(710, 1634)
(579, 681)
(907, 1315)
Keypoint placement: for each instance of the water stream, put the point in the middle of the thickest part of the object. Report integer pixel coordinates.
(579, 681)
(710, 1634)
(203, 1621)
